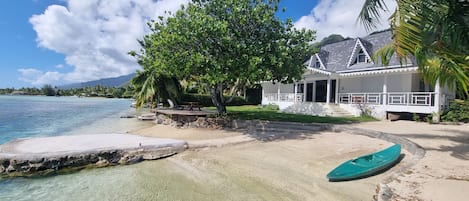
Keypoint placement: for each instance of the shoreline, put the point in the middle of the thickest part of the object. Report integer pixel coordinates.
(410, 184)
(275, 164)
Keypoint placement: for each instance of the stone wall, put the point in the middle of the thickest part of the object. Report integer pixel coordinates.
(43, 165)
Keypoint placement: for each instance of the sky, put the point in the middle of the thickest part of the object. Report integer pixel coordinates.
(59, 42)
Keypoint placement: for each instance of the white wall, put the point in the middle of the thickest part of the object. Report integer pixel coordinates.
(400, 83)
(374, 84)
(268, 87)
(350, 85)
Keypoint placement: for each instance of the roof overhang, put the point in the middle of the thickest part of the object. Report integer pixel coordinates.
(320, 71)
(376, 71)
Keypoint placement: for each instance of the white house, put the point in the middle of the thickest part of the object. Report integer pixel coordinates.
(342, 78)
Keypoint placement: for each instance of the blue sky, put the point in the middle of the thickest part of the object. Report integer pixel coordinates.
(68, 41)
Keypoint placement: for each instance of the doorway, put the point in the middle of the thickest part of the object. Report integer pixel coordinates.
(321, 91)
(309, 92)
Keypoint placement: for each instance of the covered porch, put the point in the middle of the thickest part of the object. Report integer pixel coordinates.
(382, 92)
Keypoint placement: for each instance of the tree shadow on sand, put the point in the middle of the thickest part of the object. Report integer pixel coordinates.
(461, 148)
(277, 132)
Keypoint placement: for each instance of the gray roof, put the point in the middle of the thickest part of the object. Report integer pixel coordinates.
(336, 56)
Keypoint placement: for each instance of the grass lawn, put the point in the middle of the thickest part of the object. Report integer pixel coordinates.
(249, 112)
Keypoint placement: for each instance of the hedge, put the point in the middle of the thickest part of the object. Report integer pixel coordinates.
(206, 100)
(458, 111)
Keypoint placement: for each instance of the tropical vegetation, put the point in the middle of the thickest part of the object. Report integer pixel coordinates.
(224, 45)
(95, 91)
(434, 32)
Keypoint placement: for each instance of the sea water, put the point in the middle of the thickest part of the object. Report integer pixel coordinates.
(40, 116)
(168, 179)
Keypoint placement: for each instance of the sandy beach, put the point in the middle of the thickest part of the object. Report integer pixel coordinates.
(295, 169)
(443, 174)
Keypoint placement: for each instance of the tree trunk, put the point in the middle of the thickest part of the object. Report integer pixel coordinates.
(216, 93)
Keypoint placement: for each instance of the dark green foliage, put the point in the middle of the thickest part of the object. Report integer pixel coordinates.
(458, 111)
(48, 90)
(225, 45)
(333, 38)
(96, 91)
(206, 101)
(254, 96)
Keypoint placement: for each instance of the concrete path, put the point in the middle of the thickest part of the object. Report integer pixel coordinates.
(31, 155)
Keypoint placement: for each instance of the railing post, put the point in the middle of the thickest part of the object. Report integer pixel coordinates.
(436, 116)
(296, 92)
(328, 90)
(304, 91)
(408, 98)
(278, 92)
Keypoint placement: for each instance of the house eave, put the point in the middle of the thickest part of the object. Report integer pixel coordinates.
(375, 71)
(320, 71)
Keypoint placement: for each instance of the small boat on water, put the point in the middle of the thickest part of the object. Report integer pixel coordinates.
(366, 165)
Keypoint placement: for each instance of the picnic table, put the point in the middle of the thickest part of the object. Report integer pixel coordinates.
(191, 105)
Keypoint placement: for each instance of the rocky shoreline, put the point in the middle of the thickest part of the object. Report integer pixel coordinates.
(22, 158)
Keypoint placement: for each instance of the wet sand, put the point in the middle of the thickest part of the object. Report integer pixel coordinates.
(293, 169)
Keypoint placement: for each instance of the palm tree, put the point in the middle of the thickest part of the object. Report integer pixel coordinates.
(435, 32)
(151, 86)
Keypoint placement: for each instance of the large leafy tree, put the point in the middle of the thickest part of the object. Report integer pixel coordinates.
(226, 44)
(435, 32)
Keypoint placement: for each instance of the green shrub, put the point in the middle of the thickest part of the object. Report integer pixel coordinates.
(458, 111)
(271, 106)
(416, 117)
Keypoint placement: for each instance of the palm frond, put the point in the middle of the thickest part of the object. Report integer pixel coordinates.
(370, 14)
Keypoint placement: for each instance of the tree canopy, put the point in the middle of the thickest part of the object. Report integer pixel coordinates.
(226, 44)
(435, 32)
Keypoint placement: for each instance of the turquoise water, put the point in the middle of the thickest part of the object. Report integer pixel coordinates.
(37, 116)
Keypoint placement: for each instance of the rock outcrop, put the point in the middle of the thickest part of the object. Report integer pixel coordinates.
(36, 156)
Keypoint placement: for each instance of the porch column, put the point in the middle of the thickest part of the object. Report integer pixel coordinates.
(436, 115)
(385, 90)
(337, 82)
(314, 92)
(328, 90)
(304, 90)
(263, 94)
(296, 91)
(278, 92)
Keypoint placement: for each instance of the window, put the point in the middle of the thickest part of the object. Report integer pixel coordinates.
(317, 64)
(361, 58)
(300, 88)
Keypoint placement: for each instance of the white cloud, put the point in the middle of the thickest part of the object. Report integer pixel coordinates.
(37, 77)
(94, 36)
(340, 17)
(59, 66)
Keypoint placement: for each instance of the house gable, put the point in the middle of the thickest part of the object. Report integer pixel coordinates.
(360, 54)
(316, 62)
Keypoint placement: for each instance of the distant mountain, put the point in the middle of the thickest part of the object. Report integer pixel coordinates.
(108, 82)
(333, 38)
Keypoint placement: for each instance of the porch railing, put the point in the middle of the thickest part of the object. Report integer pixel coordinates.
(283, 97)
(393, 98)
(353, 98)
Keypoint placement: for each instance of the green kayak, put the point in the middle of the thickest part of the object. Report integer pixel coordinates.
(366, 165)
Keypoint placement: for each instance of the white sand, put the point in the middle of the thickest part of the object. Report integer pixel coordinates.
(292, 169)
(443, 174)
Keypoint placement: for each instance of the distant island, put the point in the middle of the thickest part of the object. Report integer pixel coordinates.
(117, 87)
